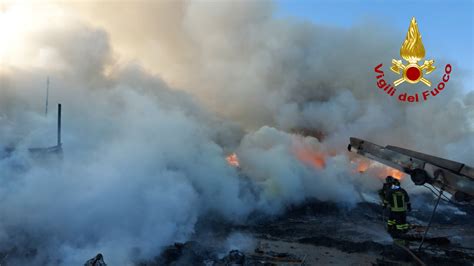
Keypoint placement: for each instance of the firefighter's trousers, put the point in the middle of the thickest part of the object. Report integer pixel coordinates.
(397, 222)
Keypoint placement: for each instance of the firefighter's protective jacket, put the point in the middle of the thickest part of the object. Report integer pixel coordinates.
(398, 200)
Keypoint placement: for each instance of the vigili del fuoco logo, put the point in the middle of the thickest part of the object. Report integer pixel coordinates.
(412, 51)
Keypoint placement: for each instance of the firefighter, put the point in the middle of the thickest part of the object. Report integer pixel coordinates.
(398, 204)
(98, 260)
(385, 189)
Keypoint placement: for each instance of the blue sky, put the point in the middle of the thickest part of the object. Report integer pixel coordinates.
(447, 27)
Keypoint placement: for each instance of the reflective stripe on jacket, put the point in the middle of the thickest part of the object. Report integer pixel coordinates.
(398, 200)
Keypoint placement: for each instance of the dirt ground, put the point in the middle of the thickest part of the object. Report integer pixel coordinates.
(322, 233)
(318, 255)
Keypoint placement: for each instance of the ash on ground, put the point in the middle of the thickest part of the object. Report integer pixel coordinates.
(322, 233)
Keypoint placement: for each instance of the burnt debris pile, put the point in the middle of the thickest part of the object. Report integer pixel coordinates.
(324, 232)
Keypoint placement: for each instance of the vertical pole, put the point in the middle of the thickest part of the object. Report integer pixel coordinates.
(59, 124)
(431, 219)
(47, 96)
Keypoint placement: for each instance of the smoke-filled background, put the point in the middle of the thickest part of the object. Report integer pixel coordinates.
(156, 95)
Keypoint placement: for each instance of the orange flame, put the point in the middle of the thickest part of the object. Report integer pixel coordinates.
(379, 170)
(316, 159)
(362, 167)
(395, 173)
(233, 160)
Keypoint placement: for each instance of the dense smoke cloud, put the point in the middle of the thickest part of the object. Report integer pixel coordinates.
(141, 161)
(247, 65)
(156, 95)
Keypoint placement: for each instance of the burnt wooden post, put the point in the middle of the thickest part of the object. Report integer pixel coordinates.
(59, 124)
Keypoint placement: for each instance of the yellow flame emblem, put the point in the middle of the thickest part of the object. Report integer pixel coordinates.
(412, 51)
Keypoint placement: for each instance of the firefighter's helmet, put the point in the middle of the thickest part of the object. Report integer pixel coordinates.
(389, 179)
(396, 182)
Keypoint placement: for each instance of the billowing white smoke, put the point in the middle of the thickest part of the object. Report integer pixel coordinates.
(247, 65)
(277, 162)
(143, 162)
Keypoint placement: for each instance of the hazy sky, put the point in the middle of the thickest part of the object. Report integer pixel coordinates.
(447, 27)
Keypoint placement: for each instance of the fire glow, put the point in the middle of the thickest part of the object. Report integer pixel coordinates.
(395, 173)
(315, 159)
(233, 160)
(381, 171)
